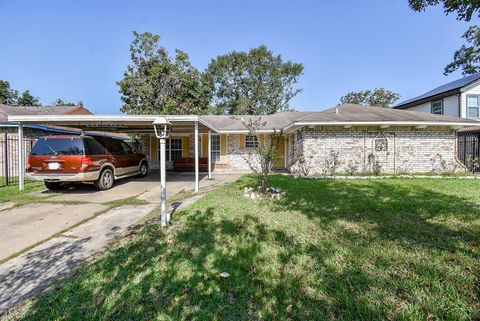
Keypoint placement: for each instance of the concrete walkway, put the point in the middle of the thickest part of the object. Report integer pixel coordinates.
(34, 270)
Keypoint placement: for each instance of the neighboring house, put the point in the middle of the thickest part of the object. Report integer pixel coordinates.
(38, 130)
(460, 98)
(400, 141)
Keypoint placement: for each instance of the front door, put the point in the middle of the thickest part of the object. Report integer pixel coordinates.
(280, 162)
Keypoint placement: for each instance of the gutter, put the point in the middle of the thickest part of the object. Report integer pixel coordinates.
(427, 99)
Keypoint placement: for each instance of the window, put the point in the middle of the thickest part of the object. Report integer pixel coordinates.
(215, 148)
(437, 107)
(93, 147)
(59, 146)
(251, 141)
(473, 105)
(173, 149)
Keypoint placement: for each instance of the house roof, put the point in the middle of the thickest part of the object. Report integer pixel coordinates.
(229, 123)
(359, 113)
(442, 91)
(6, 111)
(344, 115)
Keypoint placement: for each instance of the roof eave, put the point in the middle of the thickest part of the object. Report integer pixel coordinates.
(380, 123)
(428, 99)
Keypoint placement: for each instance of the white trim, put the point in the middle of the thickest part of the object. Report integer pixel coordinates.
(390, 123)
(244, 131)
(470, 86)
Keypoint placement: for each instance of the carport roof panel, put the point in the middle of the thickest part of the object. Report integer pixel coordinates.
(122, 122)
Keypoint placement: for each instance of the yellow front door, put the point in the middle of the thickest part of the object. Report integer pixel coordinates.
(280, 162)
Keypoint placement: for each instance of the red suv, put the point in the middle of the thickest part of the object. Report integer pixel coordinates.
(59, 160)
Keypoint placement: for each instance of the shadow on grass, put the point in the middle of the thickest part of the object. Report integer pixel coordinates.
(274, 273)
(401, 210)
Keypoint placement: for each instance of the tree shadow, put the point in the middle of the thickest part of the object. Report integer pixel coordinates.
(275, 273)
(409, 216)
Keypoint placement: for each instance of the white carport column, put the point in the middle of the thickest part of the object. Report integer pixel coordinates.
(21, 158)
(209, 154)
(165, 217)
(196, 157)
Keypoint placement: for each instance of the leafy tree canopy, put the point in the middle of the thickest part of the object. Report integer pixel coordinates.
(61, 102)
(26, 99)
(256, 82)
(464, 9)
(467, 58)
(8, 96)
(377, 97)
(156, 83)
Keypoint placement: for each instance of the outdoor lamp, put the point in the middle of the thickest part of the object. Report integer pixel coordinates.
(161, 127)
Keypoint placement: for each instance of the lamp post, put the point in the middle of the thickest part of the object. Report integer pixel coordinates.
(162, 131)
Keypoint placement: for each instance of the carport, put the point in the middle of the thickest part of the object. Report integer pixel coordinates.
(161, 125)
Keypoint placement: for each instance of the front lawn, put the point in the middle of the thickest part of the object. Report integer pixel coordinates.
(393, 249)
(12, 194)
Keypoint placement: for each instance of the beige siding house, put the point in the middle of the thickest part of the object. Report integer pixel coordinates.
(459, 98)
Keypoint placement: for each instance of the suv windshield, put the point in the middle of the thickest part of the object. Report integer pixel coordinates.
(59, 146)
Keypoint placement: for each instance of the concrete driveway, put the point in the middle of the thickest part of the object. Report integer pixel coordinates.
(49, 240)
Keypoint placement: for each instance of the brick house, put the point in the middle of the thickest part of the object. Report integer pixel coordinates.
(400, 141)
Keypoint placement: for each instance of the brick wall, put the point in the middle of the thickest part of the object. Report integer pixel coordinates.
(401, 149)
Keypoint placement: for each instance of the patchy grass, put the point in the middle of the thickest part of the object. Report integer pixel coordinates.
(12, 194)
(126, 201)
(393, 249)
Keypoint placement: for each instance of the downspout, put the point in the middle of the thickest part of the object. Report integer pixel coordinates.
(459, 98)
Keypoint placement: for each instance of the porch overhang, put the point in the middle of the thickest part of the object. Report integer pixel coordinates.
(117, 123)
(121, 124)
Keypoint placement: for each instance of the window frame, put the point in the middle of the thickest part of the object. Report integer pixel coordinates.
(169, 150)
(441, 107)
(251, 141)
(474, 107)
(215, 154)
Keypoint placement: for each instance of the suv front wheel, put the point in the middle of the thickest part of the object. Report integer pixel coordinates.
(105, 180)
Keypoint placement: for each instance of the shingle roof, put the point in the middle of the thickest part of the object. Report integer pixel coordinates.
(233, 123)
(447, 88)
(6, 110)
(359, 113)
(347, 113)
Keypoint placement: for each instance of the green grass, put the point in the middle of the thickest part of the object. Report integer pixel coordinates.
(395, 249)
(126, 201)
(12, 194)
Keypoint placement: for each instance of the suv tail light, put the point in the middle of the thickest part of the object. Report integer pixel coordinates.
(86, 162)
(29, 162)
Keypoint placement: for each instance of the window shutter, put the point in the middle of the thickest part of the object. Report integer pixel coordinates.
(261, 139)
(185, 146)
(242, 140)
(204, 145)
(153, 148)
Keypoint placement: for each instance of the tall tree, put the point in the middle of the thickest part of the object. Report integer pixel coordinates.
(26, 99)
(377, 97)
(464, 9)
(256, 82)
(156, 83)
(61, 102)
(467, 58)
(8, 96)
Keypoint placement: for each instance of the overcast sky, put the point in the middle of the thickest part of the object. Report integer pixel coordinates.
(77, 50)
